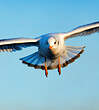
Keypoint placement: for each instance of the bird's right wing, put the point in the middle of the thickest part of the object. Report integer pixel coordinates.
(17, 44)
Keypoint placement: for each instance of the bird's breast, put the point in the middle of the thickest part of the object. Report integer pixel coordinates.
(51, 53)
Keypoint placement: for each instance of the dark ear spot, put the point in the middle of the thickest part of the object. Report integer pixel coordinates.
(58, 42)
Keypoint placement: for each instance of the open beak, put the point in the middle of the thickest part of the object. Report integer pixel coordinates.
(50, 47)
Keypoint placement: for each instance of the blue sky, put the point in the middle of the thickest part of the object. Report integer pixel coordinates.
(24, 88)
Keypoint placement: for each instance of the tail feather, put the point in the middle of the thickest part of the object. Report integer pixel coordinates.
(34, 60)
(73, 52)
(27, 57)
(38, 62)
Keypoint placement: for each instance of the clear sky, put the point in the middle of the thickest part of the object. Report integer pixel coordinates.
(24, 88)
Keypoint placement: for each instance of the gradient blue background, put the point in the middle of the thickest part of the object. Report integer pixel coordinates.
(24, 88)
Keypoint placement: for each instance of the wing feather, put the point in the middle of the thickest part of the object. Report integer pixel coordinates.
(17, 44)
(83, 30)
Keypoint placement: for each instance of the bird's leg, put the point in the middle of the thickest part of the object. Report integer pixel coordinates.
(59, 66)
(46, 72)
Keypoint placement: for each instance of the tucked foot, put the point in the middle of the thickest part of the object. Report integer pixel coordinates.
(59, 66)
(46, 71)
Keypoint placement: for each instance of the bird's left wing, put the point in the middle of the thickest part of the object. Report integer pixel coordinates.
(17, 44)
(83, 30)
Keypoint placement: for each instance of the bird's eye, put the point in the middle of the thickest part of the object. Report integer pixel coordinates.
(54, 42)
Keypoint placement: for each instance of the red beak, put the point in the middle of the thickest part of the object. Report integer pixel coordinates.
(50, 47)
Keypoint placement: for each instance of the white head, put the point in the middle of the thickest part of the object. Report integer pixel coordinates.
(53, 43)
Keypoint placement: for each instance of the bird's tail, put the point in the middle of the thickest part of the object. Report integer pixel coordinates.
(34, 60)
(73, 52)
(38, 62)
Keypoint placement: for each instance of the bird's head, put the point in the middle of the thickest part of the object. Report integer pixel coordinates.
(52, 43)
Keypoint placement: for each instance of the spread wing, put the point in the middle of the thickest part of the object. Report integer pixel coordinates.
(83, 30)
(17, 44)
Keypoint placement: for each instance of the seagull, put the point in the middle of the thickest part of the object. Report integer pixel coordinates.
(52, 52)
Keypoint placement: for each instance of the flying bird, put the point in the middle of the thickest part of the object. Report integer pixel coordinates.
(52, 52)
